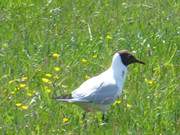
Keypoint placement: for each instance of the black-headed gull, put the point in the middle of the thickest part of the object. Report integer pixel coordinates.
(99, 92)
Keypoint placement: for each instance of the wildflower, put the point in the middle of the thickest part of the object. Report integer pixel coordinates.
(24, 107)
(48, 90)
(87, 77)
(150, 82)
(55, 55)
(84, 61)
(29, 94)
(45, 80)
(108, 37)
(18, 104)
(117, 102)
(94, 56)
(129, 106)
(56, 69)
(48, 75)
(65, 120)
(22, 85)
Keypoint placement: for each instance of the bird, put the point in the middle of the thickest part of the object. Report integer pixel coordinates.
(100, 92)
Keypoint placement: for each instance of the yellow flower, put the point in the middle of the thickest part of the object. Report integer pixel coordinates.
(48, 75)
(117, 102)
(24, 78)
(150, 82)
(129, 106)
(57, 69)
(22, 85)
(21, 106)
(94, 56)
(87, 77)
(108, 37)
(45, 80)
(55, 55)
(48, 90)
(24, 107)
(65, 120)
(84, 61)
(18, 104)
(29, 94)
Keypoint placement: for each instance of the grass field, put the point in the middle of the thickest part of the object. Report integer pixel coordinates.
(50, 47)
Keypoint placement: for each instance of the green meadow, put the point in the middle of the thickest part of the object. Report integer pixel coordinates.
(49, 47)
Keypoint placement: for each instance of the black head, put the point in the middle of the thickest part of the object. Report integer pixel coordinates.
(128, 58)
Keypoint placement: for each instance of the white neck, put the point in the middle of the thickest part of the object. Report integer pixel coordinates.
(119, 69)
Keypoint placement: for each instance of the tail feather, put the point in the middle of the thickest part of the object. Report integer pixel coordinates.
(69, 98)
(64, 98)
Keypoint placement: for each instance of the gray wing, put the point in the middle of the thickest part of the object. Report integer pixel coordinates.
(105, 94)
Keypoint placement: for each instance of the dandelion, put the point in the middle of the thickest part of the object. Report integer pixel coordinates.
(48, 90)
(117, 102)
(24, 107)
(150, 82)
(55, 55)
(21, 106)
(129, 106)
(46, 80)
(29, 94)
(22, 85)
(18, 104)
(48, 75)
(108, 37)
(84, 61)
(57, 69)
(65, 120)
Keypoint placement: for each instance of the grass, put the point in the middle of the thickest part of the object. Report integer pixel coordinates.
(85, 34)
